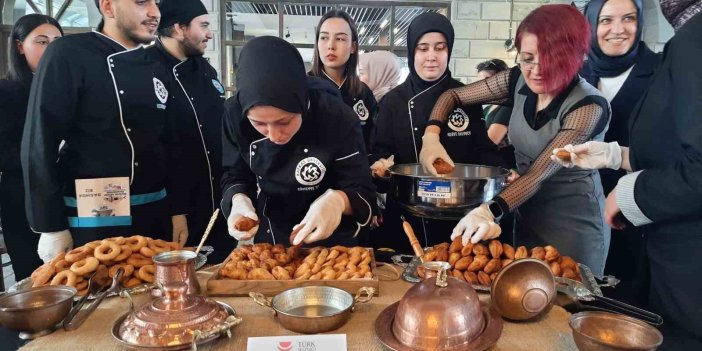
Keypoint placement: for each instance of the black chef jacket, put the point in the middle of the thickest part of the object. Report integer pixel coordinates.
(326, 153)
(196, 104)
(109, 105)
(364, 106)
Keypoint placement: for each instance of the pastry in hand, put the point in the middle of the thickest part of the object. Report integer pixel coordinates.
(442, 167)
(563, 154)
(244, 224)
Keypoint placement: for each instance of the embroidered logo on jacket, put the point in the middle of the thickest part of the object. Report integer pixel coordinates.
(310, 171)
(361, 110)
(218, 86)
(458, 120)
(160, 90)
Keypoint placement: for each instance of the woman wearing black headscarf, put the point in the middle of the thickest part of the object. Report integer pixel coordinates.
(403, 115)
(621, 66)
(662, 193)
(293, 147)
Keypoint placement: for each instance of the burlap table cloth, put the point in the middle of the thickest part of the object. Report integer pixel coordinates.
(548, 333)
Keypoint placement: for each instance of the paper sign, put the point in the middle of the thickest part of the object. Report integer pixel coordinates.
(319, 342)
(102, 197)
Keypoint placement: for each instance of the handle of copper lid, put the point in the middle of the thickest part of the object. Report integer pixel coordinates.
(412, 238)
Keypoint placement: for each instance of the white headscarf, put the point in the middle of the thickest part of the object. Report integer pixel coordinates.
(383, 71)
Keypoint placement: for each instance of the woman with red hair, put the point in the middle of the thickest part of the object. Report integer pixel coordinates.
(551, 107)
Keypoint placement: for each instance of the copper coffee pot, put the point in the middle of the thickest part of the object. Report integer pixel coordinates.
(176, 266)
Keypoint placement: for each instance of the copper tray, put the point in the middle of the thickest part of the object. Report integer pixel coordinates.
(186, 346)
(488, 337)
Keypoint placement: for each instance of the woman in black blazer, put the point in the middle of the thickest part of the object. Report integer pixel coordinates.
(30, 36)
(621, 66)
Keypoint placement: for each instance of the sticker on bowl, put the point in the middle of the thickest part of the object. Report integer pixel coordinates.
(434, 189)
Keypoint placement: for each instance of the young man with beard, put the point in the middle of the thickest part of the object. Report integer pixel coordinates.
(100, 94)
(197, 99)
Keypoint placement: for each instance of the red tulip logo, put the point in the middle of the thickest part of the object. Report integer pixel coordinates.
(285, 346)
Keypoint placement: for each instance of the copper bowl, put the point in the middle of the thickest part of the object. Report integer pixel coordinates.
(36, 311)
(442, 313)
(603, 331)
(523, 290)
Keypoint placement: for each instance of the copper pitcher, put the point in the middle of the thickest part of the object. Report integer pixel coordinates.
(176, 266)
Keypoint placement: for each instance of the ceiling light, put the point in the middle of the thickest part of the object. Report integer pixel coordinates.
(383, 24)
(363, 30)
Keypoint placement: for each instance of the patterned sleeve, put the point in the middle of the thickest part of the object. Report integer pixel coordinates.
(493, 90)
(579, 126)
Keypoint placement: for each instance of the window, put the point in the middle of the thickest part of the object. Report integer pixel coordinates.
(382, 25)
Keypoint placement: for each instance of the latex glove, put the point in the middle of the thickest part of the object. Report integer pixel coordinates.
(591, 155)
(321, 219)
(180, 229)
(432, 150)
(380, 168)
(52, 244)
(241, 207)
(479, 224)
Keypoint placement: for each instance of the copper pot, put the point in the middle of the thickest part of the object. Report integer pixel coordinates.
(440, 313)
(176, 266)
(603, 331)
(175, 321)
(523, 290)
(314, 309)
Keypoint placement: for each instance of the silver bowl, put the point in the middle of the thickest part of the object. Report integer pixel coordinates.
(449, 196)
(35, 312)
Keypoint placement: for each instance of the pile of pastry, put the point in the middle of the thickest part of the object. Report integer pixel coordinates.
(479, 263)
(75, 267)
(274, 262)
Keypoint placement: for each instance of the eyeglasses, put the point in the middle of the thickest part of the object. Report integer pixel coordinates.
(526, 64)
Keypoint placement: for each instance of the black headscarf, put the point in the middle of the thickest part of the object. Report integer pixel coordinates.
(678, 12)
(180, 11)
(271, 73)
(423, 24)
(601, 64)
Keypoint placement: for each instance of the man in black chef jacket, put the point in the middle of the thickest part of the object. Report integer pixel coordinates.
(196, 102)
(100, 94)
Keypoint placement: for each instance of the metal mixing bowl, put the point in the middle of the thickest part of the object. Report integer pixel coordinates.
(603, 331)
(449, 196)
(523, 290)
(36, 311)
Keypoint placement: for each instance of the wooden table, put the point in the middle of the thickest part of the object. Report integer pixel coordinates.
(548, 333)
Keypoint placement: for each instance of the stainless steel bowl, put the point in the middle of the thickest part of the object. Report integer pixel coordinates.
(313, 309)
(449, 196)
(603, 331)
(35, 312)
(523, 290)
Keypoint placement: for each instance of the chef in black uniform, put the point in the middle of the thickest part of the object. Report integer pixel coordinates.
(100, 94)
(197, 103)
(403, 115)
(336, 60)
(293, 147)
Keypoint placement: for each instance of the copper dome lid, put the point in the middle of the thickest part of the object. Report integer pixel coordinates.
(174, 319)
(440, 313)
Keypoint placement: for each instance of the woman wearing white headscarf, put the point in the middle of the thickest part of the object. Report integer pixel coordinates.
(380, 70)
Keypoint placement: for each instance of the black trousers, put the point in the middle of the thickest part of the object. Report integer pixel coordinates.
(21, 241)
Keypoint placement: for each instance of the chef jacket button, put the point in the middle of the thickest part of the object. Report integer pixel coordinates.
(259, 177)
(192, 98)
(136, 164)
(111, 60)
(212, 178)
(201, 126)
(208, 152)
(129, 130)
(254, 146)
(268, 230)
(253, 153)
(112, 65)
(305, 150)
(121, 91)
(415, 128)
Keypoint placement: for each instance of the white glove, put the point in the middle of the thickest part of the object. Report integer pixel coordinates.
(432, 150)
(241, 207)
(380, 167)
(592, 155)
(52, 244)
(479, 224)
(321, 219)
